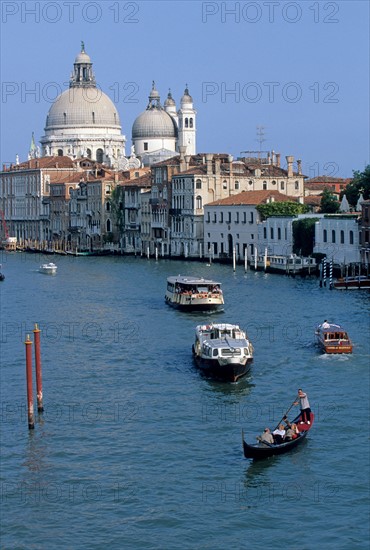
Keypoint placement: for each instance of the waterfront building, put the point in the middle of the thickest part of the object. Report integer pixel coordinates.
(234, 223)
(83, 121)
(25, 192)
(365, 234)
(338, 237)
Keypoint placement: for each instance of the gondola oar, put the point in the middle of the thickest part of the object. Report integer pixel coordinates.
(264, 442)
(285, 415)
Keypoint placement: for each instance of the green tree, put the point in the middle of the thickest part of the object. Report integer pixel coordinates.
(304, 236)
(359, 184)
(329, 204)
(281, 209)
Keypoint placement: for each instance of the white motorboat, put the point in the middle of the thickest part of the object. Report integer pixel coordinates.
(193, 293)
(223, 351)
(49, 269)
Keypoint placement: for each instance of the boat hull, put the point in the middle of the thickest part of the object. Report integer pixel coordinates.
(195, 305)
(260, 452)
(229, 372)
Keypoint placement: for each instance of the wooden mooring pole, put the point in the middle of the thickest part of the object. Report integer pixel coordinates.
(31, 416)
(36, 333)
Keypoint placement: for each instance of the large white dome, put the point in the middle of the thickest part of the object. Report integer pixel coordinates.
(82, 107)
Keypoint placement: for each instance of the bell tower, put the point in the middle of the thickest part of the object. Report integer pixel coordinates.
(187, 123)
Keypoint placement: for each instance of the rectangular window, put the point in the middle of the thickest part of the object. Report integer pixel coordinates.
(221, 217)
(237, 217)
(145, 146)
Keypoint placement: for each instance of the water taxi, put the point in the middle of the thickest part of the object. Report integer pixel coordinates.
(193, 293)
(49, 269)
(222, 351)
(333, 338)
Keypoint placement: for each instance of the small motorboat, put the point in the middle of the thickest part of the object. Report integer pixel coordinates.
(222, 351)
(352, 283)
(261, 450)
(2, 276)
(333, 338)
(49, 269)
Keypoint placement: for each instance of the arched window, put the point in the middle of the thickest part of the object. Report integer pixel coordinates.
(88, 151)
(264, 185)
(236, 185)
(109, 226)
(325, 236)
(65, 118)
(333, 236)
(99, 155)
(265, 232)
(191, 122)
(107, 206)
(296, 184)
(198, 184)
(60, 152)
(93, 117)
(199, 202)
(224, 184)
(282, 185)
(351, 237)
(186, 123)
(342, 237)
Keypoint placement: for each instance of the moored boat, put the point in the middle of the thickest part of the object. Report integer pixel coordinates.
(352, 283)
(262, 449)
(222, 351)
(194, 293)
(333, 338)
(49, 269)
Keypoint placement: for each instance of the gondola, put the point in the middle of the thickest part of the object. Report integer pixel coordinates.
(260, 450)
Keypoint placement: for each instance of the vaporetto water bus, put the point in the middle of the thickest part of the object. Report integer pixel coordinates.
(194, 293)
(223, 351)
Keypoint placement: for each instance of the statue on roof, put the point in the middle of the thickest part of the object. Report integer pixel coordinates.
(82, 46)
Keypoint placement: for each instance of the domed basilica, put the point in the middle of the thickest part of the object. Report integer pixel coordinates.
(84, 122)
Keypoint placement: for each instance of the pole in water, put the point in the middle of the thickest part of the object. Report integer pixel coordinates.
(321, 274)
(36, 333)
(246, 260)
(147, 252)
(324, 271)
(156, 254)
(234, 258)
(331, 275)
(31, 416)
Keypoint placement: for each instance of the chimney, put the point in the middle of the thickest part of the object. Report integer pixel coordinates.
(209, 158)
(299, 166)
(187, 161)
(182, 150)
(278, 160)
(230, 159)
(290, 166)
(217, 166)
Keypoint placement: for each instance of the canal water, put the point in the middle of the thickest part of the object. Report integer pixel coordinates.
(137, 450)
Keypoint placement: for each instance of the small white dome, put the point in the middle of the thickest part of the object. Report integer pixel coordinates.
(154, 123)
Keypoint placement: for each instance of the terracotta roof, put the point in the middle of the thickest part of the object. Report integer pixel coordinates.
(313, 200)
(252, 198)
(44, 162)
(329, 179)
(142, 181)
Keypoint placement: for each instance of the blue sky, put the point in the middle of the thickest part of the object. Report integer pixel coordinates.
(300, 70)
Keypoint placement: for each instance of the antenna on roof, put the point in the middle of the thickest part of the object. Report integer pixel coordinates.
(260, 137)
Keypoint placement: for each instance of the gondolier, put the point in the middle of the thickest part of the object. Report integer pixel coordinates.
(305, 407)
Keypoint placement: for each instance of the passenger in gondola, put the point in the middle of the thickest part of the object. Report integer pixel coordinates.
(266, 437)
(279, 434)
(292, 431)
